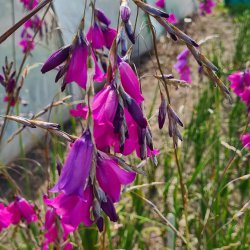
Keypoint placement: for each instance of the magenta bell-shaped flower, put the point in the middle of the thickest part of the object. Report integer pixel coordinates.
(95, 37)
(72, 209)
(75, 172)
(53, 230)
(107, 167)
(78, 67)
(130, 82)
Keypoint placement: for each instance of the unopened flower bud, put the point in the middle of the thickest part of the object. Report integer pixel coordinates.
(102, 17)
(162, 113)
(130, 32)
(125, 11)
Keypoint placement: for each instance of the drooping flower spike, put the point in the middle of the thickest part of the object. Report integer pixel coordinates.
(97, 194)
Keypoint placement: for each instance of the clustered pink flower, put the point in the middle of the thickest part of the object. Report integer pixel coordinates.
(30, 27)
(240, 84)
(206, 6)
(182, 66)
(19, 209)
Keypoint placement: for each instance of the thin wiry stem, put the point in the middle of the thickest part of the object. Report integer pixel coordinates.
(168, 223)
(16, 26)
(183, 190)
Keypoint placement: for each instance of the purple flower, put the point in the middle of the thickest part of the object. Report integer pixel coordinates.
(109, 36)
(182, 66)
(75, 172)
